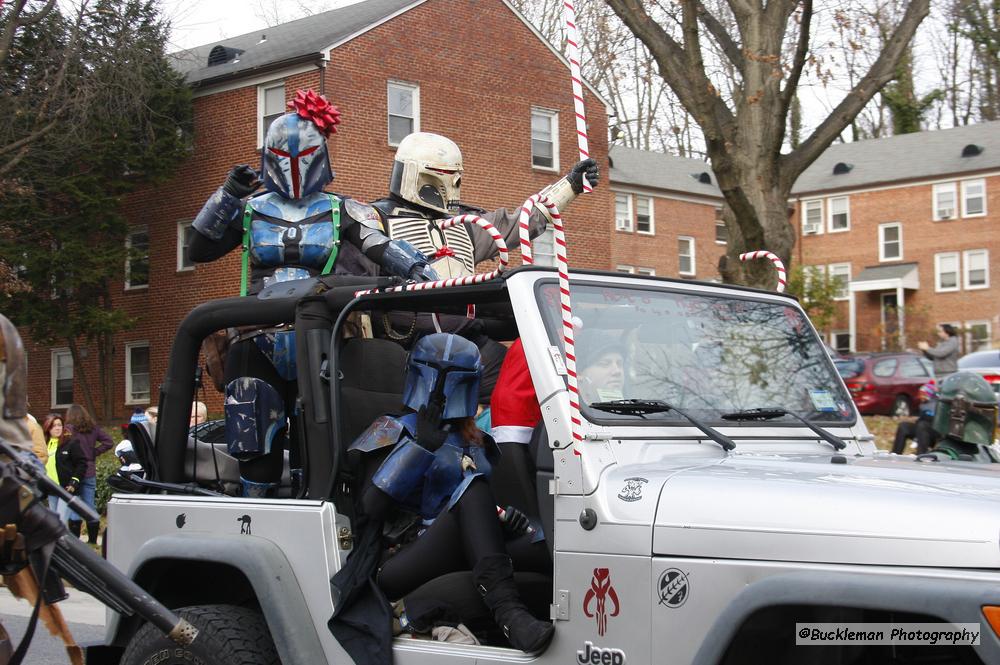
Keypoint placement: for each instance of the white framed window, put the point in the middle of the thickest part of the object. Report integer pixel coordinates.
(973, 198)
(184, 234)
(137, 373)
(62, 378)
(841, 273)
(623, 212)
(270, 105)
(648, 272)
(945, 200)
(137, 258)
(543, 248)
(890, 242)
(403, 103)
(621, 267)
(644, 215)
(978, 336)
(840, 214)
(545, 139)
(946, 271)
(812, 217)
(976, 263)
(840, 340)
(721, 233)
(685, 256)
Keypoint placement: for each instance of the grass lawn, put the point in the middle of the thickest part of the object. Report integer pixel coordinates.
(884, 430)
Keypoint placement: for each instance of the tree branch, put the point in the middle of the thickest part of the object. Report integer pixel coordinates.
(718, 31)
(880, 73)
(799, 59)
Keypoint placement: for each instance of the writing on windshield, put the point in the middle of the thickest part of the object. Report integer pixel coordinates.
(706, 354)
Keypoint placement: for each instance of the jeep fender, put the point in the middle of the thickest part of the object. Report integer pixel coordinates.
(952, 600)
(269, 573)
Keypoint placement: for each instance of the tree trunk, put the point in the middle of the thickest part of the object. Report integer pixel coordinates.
(105, 359)
(78, 370)
(778, 237)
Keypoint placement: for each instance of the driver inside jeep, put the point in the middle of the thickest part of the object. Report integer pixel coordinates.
(433, 481)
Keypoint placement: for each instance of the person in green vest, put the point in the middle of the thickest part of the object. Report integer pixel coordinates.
(293, 230)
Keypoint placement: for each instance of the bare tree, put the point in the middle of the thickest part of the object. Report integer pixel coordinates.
(646, 113)
(744, 135)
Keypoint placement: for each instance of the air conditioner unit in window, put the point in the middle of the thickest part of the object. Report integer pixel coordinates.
(946, 213)
(810, 228)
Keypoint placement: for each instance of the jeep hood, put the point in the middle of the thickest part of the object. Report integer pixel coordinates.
(891, 511)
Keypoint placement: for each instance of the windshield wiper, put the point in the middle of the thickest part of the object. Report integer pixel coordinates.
(641, 406)
(770, 413)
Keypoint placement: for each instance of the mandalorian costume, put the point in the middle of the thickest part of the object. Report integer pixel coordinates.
(294, 230)
(965, 418)
(436, 471)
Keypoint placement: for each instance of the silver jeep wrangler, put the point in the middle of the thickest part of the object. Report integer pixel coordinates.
(725, 492)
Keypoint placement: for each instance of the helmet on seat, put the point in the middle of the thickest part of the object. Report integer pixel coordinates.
(446, 368)
(428, 172)
(967, 409)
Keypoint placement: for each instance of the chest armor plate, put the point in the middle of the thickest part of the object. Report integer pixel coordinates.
(425, 236)
(296, 237)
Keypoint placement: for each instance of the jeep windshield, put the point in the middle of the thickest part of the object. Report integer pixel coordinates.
(704, 353)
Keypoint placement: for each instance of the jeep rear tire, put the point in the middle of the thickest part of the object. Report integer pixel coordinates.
(227, 635)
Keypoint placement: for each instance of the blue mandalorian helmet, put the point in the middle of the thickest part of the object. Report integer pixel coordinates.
(294, 158)
(447, 367)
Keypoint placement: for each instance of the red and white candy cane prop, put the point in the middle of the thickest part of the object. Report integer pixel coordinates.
(466, 279)
(773, 258)
(573, 54)
(562, 266)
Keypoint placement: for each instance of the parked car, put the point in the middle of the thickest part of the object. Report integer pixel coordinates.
(885, 383)
(986, 363)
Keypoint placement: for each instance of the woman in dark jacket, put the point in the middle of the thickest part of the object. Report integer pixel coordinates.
(71, 465)
(93, 442)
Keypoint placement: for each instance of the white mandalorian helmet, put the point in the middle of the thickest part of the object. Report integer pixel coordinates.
(428, 172)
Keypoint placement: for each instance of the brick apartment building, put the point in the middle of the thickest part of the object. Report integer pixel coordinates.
(666, 212)
(909, 223)
(473, 70)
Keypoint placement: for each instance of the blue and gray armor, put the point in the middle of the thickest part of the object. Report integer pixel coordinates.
(425, 482)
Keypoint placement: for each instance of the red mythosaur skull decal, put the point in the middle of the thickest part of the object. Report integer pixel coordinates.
(601, 590)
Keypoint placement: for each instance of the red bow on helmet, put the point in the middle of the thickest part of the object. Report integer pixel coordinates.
(316, 108)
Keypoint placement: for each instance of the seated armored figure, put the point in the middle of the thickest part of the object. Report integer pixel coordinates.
(965, 418)
(293, 230)
(437, 472)
(424, 190)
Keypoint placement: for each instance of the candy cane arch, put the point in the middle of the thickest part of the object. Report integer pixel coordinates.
(773, 258)
(573, 49)
(466, 279)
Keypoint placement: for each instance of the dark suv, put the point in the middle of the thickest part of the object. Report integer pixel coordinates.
(885, 383)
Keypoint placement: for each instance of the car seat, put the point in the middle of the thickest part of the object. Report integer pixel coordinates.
(372, 376)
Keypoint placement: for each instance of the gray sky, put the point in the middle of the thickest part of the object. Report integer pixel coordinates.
(197, 22)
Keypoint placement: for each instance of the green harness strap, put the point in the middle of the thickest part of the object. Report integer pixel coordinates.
(247, 217)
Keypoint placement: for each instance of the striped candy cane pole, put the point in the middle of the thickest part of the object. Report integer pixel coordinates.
(773, 258)
(467, 279)
(573, 54)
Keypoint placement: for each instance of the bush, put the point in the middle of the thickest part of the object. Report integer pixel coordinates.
(107, 464)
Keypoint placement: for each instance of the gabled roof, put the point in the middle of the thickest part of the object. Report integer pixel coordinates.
(307, 40)
(922, 155)
(297, 41)
(658, 170)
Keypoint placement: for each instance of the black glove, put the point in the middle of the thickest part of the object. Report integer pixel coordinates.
(587, 168)
(429, 432)
(242, 181)
(514, 522)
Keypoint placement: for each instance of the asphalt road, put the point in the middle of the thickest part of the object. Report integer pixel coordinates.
(84, 615)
